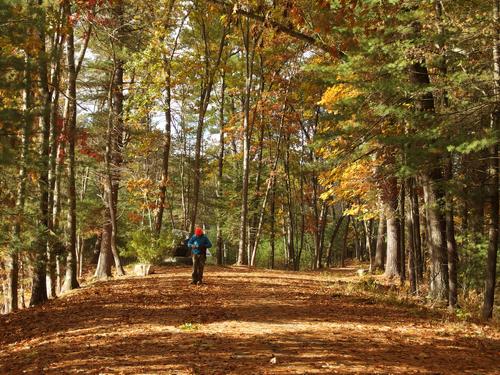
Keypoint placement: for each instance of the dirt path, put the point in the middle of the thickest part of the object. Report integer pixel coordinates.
(235, 324)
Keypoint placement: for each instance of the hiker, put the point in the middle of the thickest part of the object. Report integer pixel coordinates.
(198, 243)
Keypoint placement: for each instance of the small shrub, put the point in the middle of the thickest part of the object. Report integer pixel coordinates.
(145, 247)
(462, 314)
(473, 254)
(369, 284)
(189, 327)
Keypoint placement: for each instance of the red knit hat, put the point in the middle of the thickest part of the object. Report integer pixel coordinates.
(198, 231)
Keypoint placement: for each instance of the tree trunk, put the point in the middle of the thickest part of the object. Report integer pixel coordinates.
(357, 244)
(103, 269)
(343, 250)
(378, 263)
(489, 295)
(57, 44)
(206, 91)
(58, 172)
(166, 152)
(368, 225)
(220, 170)
(273, 225)
(402, 215)
(414, 242)
(451, 244)
(249, 58)
(290, 245)
(419, 262)
(111, 179)
(329, 258)
(115, 139)
(433, 196)
(254, 219)
(39, 282)
(11, 300)
(436, 240)
(448, 170)
(393, 243)
(410, 228)
(114, 154)
(270, 186)
(320, 235)
(5, 307)
(393, 229)
(182, 173)
(71, 281)
(22, 290)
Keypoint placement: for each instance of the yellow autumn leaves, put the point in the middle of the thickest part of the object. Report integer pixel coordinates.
(336, 94)
(349, 182)
(352, 183)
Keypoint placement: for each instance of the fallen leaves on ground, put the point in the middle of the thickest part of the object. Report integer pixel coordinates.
(240, 322)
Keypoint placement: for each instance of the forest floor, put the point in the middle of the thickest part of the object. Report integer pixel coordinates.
(240, 322)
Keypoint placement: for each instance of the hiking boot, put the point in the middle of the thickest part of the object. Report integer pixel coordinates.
(192, 283)
(199, 283)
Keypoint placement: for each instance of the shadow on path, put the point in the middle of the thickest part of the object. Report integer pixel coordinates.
(234, 324)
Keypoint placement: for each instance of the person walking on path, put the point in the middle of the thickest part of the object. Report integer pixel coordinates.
(198, 243)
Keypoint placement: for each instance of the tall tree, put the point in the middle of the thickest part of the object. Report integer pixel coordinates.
(39, 283)
(249, 48)
(489, 296)
(71, 281)
(210, 69)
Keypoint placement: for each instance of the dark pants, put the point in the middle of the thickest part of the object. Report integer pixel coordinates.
(198, 265)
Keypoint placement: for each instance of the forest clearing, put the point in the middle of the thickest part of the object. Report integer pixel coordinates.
(311, 323)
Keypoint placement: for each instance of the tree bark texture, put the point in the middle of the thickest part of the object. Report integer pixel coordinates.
(494, 167)
(71, 280)
(436, 240)
(378, 263)
(393, 229)
(39, 282)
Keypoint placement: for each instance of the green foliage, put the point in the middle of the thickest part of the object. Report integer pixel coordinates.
(473, 146)
(462, 314)
(472, 258)
(188, 327)
(369, 284)
(143, 246)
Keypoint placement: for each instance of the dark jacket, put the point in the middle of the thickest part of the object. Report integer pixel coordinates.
(198, 244)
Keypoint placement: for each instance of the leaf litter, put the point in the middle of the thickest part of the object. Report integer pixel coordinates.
(241, 321)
